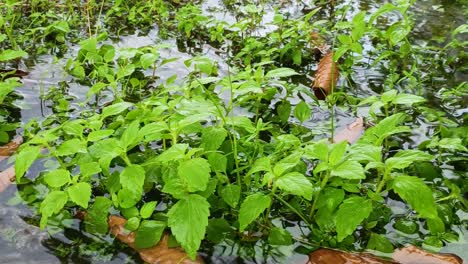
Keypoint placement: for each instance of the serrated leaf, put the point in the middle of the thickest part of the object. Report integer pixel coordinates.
(188, 219)
(80, 194)
(71, 147)
(286, 164)
(330, 198)
(251, 209)
(57, 178)
(130, 135)
(52, 204)
(133, 177)
(213, 137)
(261, 164)
(231, 194)
(419, 196)
(195, 174)
(337, 152)
(318, 151)
(149, 233)
(100, 134)
(25, 159)
(350, 214)
(380, 243)
(295, 183)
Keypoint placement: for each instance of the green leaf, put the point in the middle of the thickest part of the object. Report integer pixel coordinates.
(195, 174)
(52, 204)
(149, 233)
(73, 127)
(330, 198)
(147, 209)
(295, 183)
(379, 243)
(405, 158)
(71, 147)
(153, 131)
(251, 209)
(261, 164)
(280, 237)
(286, 164)
(115, 109)
(280, 73)
(408, 99)
(132, 224)
(218, 162)
(337, 152)
(130, 135)
(25, 159)
(231, 195)
(147, 60)
(349, 169)
(188, 219)
(218, 229)
(9, 54)
(318, 151)
(133, 177)
(128, 197)
(417, 194)
(452, 144)
(57, 178)
(80, 194)
(302, 111)
(100, 134)
(213, 137)
(284, 111)
(350, 214)
(89, 168)
(96, 218)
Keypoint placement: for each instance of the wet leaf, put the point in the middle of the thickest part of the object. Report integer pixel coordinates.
(413, 190)
(350, 214)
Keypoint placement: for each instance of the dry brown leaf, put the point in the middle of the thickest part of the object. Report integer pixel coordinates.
(406, 255)
(326, 77)
(331, 256)
(160, 253)
(351, 133)
(319, 43)
(8, 149)
(415, 255)
(6, 178)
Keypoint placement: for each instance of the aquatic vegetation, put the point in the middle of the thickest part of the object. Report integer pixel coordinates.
(236, 150)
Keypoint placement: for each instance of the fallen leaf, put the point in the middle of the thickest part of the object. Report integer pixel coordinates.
(415, 255)
(8, 149)
(331, 256)
(351, 133)
(326, 76)
(406, 255)
(319, 43)
(161, 253)
(6, 178)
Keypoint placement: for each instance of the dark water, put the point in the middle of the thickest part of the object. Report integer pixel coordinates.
(22, 242)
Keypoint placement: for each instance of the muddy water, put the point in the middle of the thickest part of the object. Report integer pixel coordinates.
(22, 242)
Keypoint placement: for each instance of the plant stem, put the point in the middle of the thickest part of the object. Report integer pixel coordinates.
(322, 185)
(294, 210)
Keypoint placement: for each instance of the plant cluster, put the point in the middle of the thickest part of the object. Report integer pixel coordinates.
(216, 157)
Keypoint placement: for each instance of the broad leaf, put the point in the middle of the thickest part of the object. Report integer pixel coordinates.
(251, 209)
(71, 147)
(115, 109)
(295, 183)
(52, 204)
(9, 54)
(413, 190)
(149, 233)
(405, 158)
(280, 72)
(213, 137)
(130, 135)
(349, 169)
(337, 153)
(195, 174)
(279, 236)
(350, 214)
(133, 177)
(231, 194)
(302, 111)
(25, 159)
(96, 217)
(147, 209)
(261, 164)
(57, 178)
(80, 194)
(188, 219)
